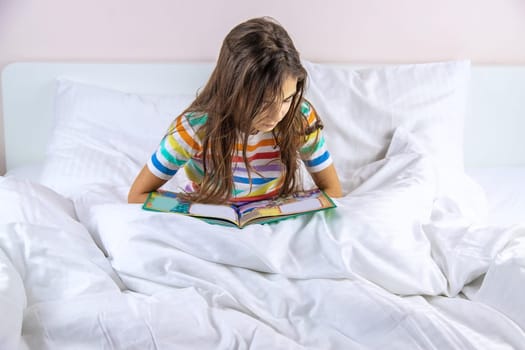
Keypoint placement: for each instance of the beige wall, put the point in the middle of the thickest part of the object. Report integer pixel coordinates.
(329, 30)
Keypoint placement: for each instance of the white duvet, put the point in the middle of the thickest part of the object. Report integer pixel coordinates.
(394, 266)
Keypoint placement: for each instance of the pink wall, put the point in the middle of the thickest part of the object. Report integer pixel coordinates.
(485, 31)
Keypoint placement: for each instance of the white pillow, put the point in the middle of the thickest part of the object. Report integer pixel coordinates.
(361, 108)
(103, 135)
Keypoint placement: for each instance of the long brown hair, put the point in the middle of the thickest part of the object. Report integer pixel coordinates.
(255, 59)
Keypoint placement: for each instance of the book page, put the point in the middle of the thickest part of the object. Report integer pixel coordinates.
(214, 211)
(166, 201)
(252, 212)
(299, 203)
(300, 206)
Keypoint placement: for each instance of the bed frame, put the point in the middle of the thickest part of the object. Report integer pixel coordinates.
(494, 130)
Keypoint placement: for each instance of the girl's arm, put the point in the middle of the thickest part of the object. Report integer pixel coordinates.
(144, 183)
(328, 181)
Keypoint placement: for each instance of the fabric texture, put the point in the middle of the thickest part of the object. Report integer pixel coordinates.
(102, 135)
(361, 108)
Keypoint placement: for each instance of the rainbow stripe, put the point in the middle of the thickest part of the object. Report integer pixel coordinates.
(182, 148)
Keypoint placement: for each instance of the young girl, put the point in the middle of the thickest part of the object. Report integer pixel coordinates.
(241, 138)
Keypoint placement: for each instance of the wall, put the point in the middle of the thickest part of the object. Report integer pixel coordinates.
(329, 30)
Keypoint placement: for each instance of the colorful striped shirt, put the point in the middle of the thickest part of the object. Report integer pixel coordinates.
(182, 148)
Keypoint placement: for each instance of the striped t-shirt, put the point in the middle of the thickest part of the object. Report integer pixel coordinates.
(182, 148)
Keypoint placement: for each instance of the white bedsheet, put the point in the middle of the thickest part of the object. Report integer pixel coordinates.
(392, 267)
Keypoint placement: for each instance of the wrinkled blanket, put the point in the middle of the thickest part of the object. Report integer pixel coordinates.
(393, 266)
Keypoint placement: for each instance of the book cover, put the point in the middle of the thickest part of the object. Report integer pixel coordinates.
(262, 212)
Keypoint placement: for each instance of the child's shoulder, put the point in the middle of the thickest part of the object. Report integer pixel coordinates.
(306, 107)
(309, 113)
(195, 119)
(189, 122)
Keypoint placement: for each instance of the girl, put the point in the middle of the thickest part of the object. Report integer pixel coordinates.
(241, 138)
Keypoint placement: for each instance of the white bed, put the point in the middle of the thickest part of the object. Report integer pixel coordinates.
(425, 251)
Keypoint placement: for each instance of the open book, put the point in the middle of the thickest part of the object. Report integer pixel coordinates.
(263, 211)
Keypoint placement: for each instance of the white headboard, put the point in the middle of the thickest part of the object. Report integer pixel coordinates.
(494, 132)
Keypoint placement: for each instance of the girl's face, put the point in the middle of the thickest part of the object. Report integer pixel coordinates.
(268, 120)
